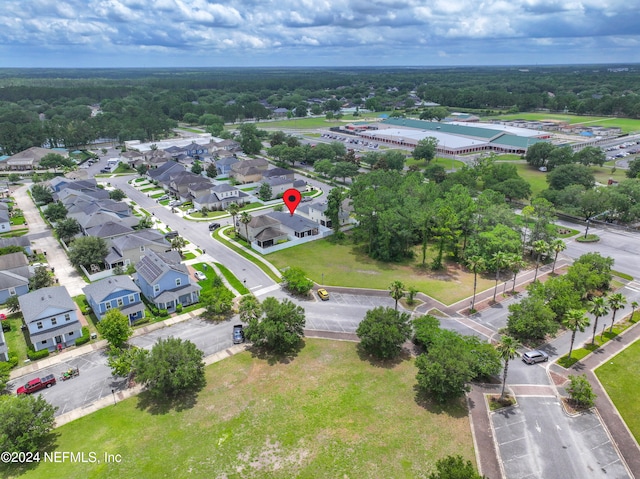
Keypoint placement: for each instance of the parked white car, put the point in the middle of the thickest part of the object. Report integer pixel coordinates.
(200, 275)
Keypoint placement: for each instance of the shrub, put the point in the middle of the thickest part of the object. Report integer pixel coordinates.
(35, 355)
(13, 359)
(86, 336)
(580, 391)
(163, 313)
(6, 326)
(179, 308)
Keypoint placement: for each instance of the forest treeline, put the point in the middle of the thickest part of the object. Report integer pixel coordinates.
(51, 106)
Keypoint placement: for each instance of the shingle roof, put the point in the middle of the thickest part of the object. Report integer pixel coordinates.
(103, 288)
(37, 302)
(13, 260)
(296, 222)
(13, 279)
(108, 229)
(153, 266)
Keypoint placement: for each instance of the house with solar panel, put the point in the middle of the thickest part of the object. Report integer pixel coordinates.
(165, 281)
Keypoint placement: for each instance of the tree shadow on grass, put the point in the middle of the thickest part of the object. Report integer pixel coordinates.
(156, 404)
(47, 444)
(455, 408)
(376, 362)
(273, 358)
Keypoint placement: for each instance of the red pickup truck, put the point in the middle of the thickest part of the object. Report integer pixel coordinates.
(37, 384)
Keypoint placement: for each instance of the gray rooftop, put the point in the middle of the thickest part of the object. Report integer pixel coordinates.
(52, 301)
(296, 222)
(103, 288)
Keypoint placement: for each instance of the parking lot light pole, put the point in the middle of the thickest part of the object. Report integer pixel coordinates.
(113, 391)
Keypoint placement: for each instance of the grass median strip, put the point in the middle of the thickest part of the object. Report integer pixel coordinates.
(232, 280)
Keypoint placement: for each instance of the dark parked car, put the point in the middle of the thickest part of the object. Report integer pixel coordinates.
(171, 234)
(535, 356)
(214, 226)
(238, 334)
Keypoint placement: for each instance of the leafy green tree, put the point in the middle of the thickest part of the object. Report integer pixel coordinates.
(249, 308)
(634, 168)
(599, 269)
(383, 331)
(323, 167)
(560, 155)
(508, 350)
(173, 367)
(334, 207)
(178, 243)
(12, 304)
(444, 231)
(572, 174)
(196, 168)
(598, 307)
(41, 279)
(142, 169)
(115, 328)
(122, 360)
(88, 250)
(13, 177)
(426, 329)
(296, 281)
(435, 172)
(575, 320)
(454, 467)
(396, 291)
(476, 264)
(41, 194)
(425, 150)
(55, 161)
(530, 320)
(264, 192)
(591, 155)
(217, 301)
(144, 223)
(117, 194)
(445, 370)
(483, 358)
(580, 391)
(216, 128)
(280, 328)
(55, 212)
(344, 170)
(515, 265)
(558, 293)
(25, 422)
(616, 301)
(277, 138)
(5, 374)
(249, 140)
(538, 154)
(212, 170)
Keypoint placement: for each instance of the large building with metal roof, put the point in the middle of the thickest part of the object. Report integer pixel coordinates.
(454, 138)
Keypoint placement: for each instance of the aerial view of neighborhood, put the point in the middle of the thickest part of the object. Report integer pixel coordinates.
(383, 239)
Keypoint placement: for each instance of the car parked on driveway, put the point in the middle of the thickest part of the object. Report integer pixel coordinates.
(200, 275)
(535, 356)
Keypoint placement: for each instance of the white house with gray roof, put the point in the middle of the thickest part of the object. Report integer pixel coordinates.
(51, 317)
(116, 292)
(220, 197)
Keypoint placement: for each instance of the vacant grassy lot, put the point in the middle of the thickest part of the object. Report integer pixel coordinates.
(347, 265)
(621, 378)
(325, 414)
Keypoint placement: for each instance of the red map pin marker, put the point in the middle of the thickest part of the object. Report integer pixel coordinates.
(292, 198)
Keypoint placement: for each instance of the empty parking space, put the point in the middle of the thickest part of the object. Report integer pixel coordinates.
(537, 439)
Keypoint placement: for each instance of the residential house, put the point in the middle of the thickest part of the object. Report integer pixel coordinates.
(163, 173)
(115, 292)
(295, 225)
(220, 197)
(279, 173)
(130, 248)
(165, 281)
(179, 184)
(279, 185)
(5, 220)
(14, 275)
(88, 221)
(21, 241)
(223, 164)
(249, 171)
(318, 212)
(29, 159)
(51, 317)
(263, 230)
(110, 229)
(4, 350)
(226, 145)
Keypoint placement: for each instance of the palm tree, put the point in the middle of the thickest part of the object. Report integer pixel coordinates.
(245, 219)
(396, 291)
(508, 349)
(178, 243)
(476, 264)
(540, 247)
(575, 319)
(557, 246)
(616, 301)
(233, 209)
(598, 307)
(634, 305)
(515, 265)
(499, 260)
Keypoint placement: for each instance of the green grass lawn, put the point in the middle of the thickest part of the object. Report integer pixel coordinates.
(620, 376)
(347, 265)
(15, 339)
(17, 220)
(537, 179)
(627, 125)
(232, 280)
(324, 414)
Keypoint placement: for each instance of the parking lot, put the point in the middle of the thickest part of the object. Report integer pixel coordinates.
(535, 439)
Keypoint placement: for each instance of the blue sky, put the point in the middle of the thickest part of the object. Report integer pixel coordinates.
(191, 33)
